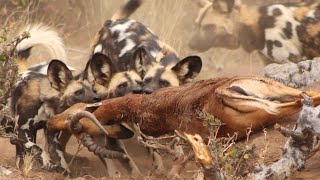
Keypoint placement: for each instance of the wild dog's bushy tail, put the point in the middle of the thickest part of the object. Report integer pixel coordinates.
(41, 35)
(126, 10)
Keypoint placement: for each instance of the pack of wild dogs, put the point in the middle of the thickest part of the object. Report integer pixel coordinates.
(134, 77)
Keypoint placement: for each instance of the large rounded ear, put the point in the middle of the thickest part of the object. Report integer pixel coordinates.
(59, 75)
(188, 68)
(101, 68)
(140, 61)
(119, 131)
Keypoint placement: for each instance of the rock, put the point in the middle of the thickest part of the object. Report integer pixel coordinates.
(295, 75)
(5, 171)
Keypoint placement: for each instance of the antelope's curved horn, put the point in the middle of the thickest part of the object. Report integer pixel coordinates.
(76, 125)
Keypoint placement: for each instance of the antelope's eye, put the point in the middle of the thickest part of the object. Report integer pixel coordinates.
(79, 92)
(164, 83)
(123, 85)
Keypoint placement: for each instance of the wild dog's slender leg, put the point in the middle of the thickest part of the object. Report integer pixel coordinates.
(129, 164)
(25, 143)
(26, 129)
(55, 150)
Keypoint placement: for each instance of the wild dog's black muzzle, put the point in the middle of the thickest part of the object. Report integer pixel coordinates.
(137, 91)
(97, 98)
(147, 91)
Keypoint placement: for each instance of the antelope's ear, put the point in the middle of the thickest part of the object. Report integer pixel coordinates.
(59, 75)
(188, 68)
(119, 131)
(140, 61)
(101, 69)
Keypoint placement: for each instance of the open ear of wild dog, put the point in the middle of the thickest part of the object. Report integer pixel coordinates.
(140, 61)
(188, 68)
(59, 75)
(102, 68)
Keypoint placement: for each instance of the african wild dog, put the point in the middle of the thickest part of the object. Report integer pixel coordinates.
(37, 97)
(281, 32)
(157, 63)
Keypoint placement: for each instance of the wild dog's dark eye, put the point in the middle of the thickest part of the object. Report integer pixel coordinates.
(147, 80)
(123, 85)
(140, 83)
(164, 83)
(79, 92)
(94, 90)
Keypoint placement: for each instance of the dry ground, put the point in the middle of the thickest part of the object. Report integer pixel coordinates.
(78, 20)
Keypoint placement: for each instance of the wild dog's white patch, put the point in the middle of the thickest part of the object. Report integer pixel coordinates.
(45, 36)
(43, 113)
(46, 159)
(29, 144)
(63, 162)
(128, 47)
(26, 125)
(121, 29)
(288, 46)
(123, 35)
(98, 49)
(154, 53)
(311, 14)
(24, 75)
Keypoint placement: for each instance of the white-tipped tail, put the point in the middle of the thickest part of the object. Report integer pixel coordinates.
(41, 35)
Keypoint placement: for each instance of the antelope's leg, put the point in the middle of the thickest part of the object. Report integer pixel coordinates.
(128, 163)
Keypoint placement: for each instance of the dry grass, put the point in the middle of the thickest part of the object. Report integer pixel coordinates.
(29, 162)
